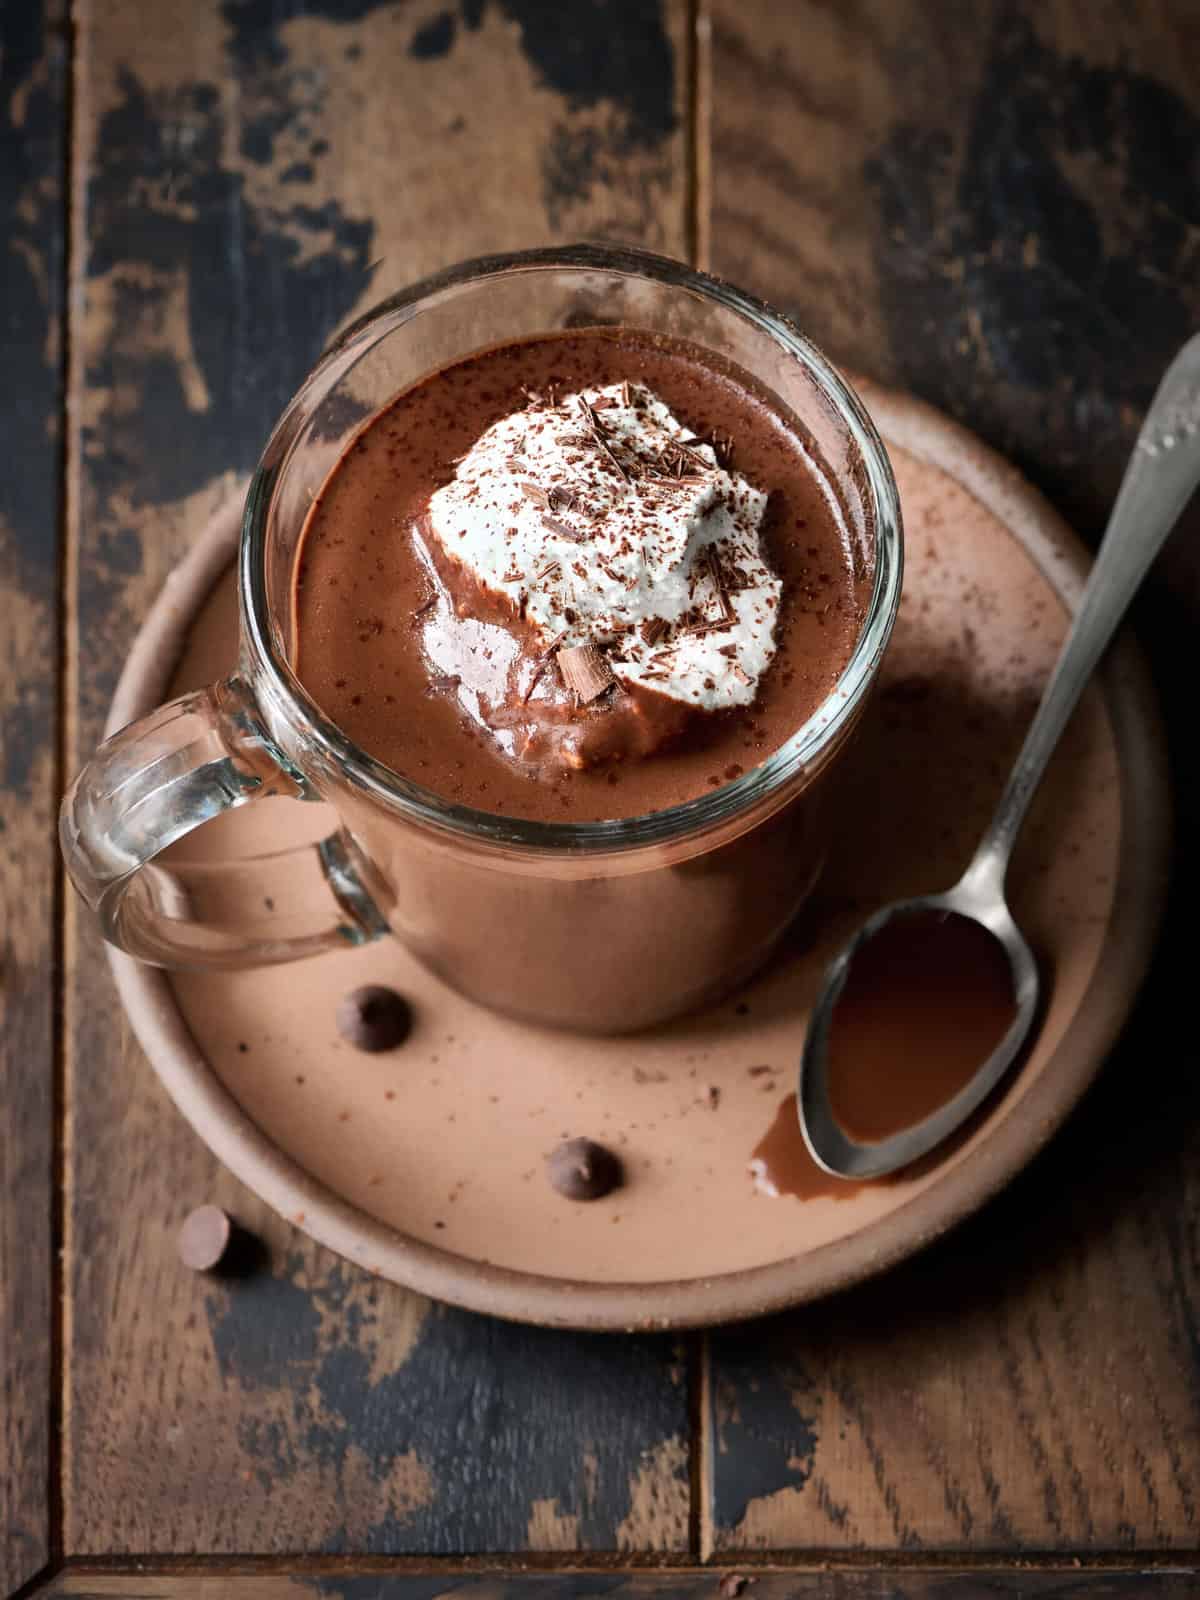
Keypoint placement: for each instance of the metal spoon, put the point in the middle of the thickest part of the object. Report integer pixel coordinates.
(1159, 480)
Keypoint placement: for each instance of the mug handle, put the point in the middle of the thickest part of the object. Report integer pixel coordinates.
(168, 773)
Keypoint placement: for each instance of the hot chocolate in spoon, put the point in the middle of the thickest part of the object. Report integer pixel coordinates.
(929, 986)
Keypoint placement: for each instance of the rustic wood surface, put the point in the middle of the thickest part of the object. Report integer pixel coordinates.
(996, 206)
(32, 143)
(822, 1584)
(250, 177)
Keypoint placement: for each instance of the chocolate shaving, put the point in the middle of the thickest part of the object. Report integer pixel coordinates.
(556, 525)
(597, 432)
(721, 445)
(653, 629)
(603, 402)
(609, 572)
(741, 674)
(585, 671)
(426, 605)
(714, 571)
(442, 680)
(721, 625)
(535, 492)
(729, 650)
(551, 566)
(538, 673)
(675, 466)
(553, 645)
(625, 401)
(560, 499)
(543, 663)
(512, 576)
(702, 463)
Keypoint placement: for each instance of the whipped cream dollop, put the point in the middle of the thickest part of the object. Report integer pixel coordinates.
(603, 520)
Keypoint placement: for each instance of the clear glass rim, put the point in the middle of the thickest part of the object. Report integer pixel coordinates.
(273, 678)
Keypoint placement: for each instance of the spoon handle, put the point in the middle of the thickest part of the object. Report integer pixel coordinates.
(1162, 473)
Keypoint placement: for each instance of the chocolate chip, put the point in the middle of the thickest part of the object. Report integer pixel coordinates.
(580, 1169)
(204, 1238)
(374, 1018)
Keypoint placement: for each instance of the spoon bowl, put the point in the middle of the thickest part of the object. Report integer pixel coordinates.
(834, 1149)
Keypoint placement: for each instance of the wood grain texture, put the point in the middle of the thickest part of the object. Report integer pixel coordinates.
(253, 173)
(997, 208)
(32, 111)
(943, 1584)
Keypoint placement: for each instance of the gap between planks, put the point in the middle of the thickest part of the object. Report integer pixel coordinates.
(759, 1564)
(63, 954)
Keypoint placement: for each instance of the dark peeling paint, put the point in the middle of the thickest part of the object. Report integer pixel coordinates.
(264, 288)
(254, 41)
(612, 53)
(1072, 220)
(434, 38)
(22, 737)
(612, 61)
(764, 1431)
(500, 1416)
(32, 64)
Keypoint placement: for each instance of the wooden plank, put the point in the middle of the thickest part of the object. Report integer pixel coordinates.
(897, 1584)
(998, 209)
(32, 141)
(994, 208)
(252, 174)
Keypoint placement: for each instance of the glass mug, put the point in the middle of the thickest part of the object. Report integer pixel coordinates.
(604, 926)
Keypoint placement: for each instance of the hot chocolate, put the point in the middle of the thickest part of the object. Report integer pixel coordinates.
(582, 576)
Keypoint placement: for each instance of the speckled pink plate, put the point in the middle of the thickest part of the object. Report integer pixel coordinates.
(425, 1165)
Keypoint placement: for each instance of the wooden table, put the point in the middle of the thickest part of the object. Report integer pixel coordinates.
(996, 206)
